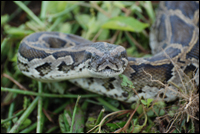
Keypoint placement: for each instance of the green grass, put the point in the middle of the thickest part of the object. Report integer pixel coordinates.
(31, 106)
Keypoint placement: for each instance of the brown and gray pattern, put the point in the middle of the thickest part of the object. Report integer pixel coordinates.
(53, 56)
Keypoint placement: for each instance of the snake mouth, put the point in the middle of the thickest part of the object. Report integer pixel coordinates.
(105, 72)
(107, 67)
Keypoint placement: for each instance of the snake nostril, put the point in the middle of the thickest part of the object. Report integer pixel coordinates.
(107, 67)
(124, 54)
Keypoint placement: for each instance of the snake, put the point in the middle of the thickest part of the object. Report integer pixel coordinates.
(99, 66)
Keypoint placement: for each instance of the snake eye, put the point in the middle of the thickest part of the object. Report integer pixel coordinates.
(88, 55)
(124, 54)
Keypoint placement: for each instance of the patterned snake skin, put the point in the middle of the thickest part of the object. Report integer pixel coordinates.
(174, 37)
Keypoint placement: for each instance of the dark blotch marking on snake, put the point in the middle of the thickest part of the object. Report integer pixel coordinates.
(90, 81)
(44, 69)
(125, 94)
(65, 68)
(24, 66)
(108, 84)
(190, 70)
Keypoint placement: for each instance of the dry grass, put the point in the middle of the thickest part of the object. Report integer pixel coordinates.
(188, 104)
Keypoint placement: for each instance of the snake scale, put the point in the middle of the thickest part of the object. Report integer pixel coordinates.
(174, 39)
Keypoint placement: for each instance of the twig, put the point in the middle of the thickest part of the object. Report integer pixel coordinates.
(137, 44)
(128, 122)
(97, 35)
(17, 83)
(114, 36)
(94, 4)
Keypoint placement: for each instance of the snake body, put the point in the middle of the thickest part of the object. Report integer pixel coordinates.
(53, 56)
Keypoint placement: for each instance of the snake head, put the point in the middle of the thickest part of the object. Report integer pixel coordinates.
(106, 60)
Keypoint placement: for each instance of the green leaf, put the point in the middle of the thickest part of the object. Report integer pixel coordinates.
(25, 124)
(140, 109)
(83, 20)
(171, 113)
(56, 6)
(150, 113)
(4, 19)
(119, 4)
(65, 28)
(104, 34)
(90, 123)
(135, 7)
(91, 24)
(162, 112)
(144, 102)
(148, 6)
(160, 104)
(17, 32)
(62, 123)
(115, 126)
(137, 128)
(125, 23)
(14, 59)
(147, 102)
(125, 81)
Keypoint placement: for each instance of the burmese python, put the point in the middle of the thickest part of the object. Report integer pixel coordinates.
(53, 56)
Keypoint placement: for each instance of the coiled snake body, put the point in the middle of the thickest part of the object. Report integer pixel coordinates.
(53, 56)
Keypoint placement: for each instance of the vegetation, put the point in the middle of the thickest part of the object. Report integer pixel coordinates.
(31, 106)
